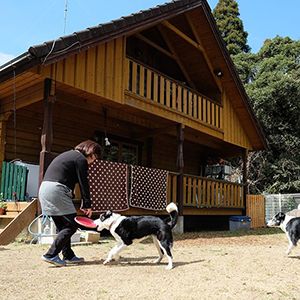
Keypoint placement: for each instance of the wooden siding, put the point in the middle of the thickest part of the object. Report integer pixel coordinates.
(98, 70)
(233, 130)
(70, 126)
(255, 208)
(164, 154)
(162, 95)
(3, 123)
(23, 137)
(104, 71)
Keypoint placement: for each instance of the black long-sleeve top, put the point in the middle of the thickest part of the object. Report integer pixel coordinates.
(69, 168)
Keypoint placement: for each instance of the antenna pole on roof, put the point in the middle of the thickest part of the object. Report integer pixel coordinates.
(65, 16)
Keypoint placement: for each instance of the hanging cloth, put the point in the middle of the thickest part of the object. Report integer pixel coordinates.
(148, 188)
(108, 186)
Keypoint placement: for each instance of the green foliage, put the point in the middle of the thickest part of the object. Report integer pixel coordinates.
(245, 64)
(291, 203)
(272, 80)
(226, 14)
(3, 204)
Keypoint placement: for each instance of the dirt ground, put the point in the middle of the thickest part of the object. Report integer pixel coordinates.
(214, 265)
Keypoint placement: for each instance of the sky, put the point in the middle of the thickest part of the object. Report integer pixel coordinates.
(27, 23)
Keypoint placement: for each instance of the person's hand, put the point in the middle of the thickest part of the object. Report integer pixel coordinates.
(87, 211)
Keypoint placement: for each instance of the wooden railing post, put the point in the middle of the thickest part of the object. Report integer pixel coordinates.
(47, 132)
(245, 178)
(180, 166)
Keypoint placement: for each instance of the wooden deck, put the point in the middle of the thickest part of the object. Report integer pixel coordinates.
(206, 193)
(175, 96)
(201, 196)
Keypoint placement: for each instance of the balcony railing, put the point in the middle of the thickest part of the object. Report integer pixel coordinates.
(202, 192)
(165, 91)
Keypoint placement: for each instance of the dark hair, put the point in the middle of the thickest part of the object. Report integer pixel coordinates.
(88, 148)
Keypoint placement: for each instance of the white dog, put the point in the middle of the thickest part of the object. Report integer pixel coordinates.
(290, 225)
(126, 229)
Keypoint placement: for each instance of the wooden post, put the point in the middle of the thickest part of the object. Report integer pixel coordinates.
(149, 146)
(245, 178)
(3, 121)
(47, 132)
(180, 166)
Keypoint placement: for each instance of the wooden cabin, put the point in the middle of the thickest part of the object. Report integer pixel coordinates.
(159, 84)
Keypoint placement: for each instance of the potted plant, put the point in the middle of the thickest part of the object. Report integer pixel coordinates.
(3, 207)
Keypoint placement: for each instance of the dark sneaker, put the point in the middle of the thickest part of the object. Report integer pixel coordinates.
(74, 260)
(54, 261)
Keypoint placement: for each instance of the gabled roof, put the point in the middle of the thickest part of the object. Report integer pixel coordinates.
(80, 40)
(51, 51)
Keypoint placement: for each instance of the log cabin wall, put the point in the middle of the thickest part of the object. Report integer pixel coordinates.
(165, 155)
(23, 139)
(103, 71)
(234, 133)
(98, 70)
(71, 126)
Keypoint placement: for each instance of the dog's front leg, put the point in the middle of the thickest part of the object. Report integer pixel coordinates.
(114, 253)
(291, 246)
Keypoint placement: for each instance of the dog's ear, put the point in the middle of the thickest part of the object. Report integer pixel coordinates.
(106, 215)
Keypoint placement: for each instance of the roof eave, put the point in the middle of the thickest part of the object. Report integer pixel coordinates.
(76, 43)
(17, 65)
(235, 75)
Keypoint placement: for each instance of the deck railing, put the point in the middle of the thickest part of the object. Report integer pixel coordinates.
(165, 91)
(202, 192)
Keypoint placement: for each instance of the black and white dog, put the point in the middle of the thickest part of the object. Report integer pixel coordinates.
(290, 225)
(126, 229)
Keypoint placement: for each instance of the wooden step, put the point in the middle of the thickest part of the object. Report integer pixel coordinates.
(16, 206)
(12, 213)
(18, 223)
(7, 217)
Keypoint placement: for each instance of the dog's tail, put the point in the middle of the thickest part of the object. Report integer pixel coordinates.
(173, 211)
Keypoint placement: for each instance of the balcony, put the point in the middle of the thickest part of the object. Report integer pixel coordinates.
(174, 96)
(203, 192)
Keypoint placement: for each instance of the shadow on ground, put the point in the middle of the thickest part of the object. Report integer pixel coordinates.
(226, 234)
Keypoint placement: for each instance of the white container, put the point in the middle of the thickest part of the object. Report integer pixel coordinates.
(76, 237)
(47, 231)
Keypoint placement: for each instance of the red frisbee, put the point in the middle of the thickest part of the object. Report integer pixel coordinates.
(86, 222)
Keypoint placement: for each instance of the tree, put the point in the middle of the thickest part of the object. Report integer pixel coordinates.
(226, 14)
(274, 90)
(272, 80)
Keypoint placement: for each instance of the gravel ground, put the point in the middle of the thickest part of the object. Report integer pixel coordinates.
(212, 265)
